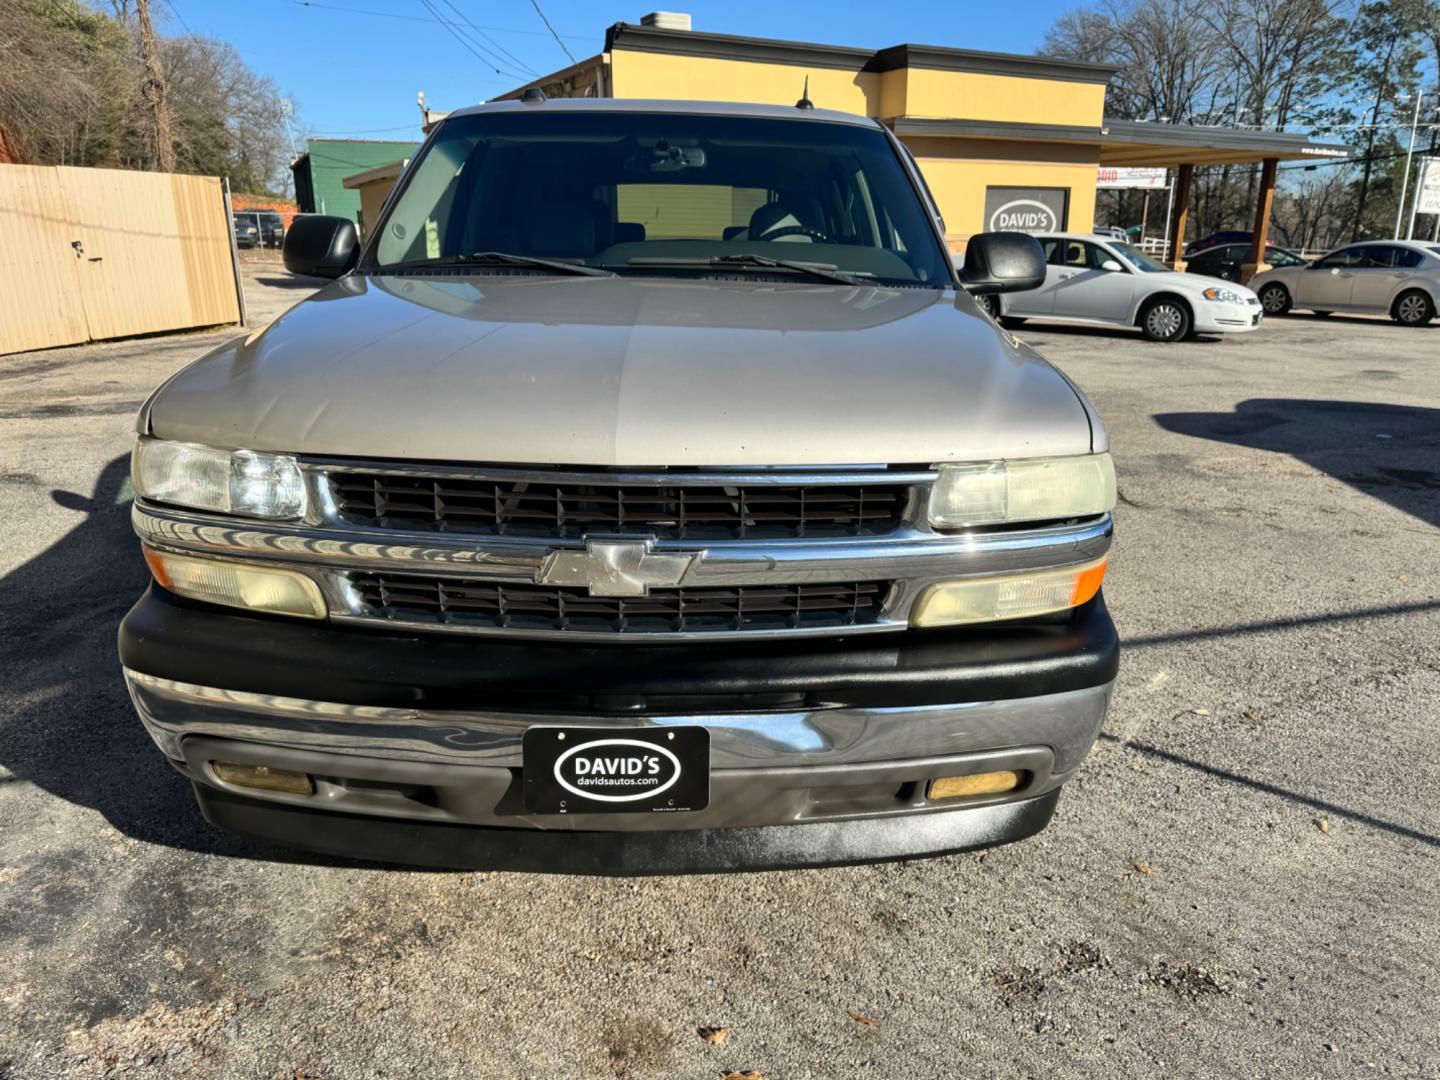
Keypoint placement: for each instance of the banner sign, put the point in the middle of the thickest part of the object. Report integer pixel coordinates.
(1031, 210)
(1110, 176)
(1428, 195)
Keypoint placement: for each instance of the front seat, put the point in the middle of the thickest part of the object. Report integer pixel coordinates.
(562, 229)
(778, 216)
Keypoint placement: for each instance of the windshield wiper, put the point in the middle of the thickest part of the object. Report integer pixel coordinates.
(824, 271)
(502, 258)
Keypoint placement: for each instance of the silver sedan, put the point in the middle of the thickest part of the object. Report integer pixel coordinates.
(1399, 278)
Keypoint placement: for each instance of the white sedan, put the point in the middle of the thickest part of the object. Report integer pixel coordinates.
(1098, 281)
(1399, 278)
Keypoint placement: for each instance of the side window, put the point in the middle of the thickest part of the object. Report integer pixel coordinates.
(1406, 258)
(1054, 252)
(1280, 257)
(1082, 255)
(1374, 257)
(1342, 258)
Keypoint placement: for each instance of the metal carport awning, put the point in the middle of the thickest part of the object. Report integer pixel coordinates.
(1140, 143)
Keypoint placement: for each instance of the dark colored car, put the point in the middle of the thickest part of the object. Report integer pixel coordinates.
(272, 228)
(247, 230)
(1225, 260)
(1215, 239)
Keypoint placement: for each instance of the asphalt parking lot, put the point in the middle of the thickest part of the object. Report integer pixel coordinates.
(1243, 882)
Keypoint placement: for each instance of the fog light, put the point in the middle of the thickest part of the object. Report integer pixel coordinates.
(242, 585)
(985, 783)
(263, 778)
(1008, 596)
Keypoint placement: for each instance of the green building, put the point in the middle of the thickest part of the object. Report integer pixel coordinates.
(320, 172)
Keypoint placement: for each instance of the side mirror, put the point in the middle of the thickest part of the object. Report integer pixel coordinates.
(321, 246)
(997, 262)
(1111, 265)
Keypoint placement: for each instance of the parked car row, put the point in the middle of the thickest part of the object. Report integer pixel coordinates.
(1094, 279)
(259, 228)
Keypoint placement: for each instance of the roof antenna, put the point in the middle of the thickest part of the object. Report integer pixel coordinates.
(805, 102)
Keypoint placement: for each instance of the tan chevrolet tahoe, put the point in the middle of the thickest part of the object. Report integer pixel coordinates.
(647, 493)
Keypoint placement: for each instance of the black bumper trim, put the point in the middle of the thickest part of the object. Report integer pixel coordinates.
(775, 847)
(187, 642)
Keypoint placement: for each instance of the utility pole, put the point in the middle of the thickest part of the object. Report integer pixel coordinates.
(153, 90)
(1409, 154)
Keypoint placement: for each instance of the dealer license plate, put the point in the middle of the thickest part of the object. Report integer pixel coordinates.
(576, 770)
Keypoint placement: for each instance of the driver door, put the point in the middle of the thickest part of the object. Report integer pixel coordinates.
(1326, 285)
(1040, 301)
(1086, 290)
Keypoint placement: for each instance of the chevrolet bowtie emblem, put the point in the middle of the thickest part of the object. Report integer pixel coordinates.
(616, 567)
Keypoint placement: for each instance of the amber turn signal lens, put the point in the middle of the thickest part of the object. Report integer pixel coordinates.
(242, 585)
(1008, 596)
(263, 778)
(985, 783)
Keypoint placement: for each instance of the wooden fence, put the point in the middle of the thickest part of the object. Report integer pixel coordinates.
(90, 254)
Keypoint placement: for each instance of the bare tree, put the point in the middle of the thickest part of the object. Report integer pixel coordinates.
(153, 90)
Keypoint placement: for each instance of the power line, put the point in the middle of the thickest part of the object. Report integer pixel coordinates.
(176, 12)
(536, 5)
(422, 19)
(463, 40)
(466, 19)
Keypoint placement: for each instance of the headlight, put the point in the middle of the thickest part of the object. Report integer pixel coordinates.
(1223, 296)
(241, 585)
(226, 481)
(1031, 489)
(1007, 596)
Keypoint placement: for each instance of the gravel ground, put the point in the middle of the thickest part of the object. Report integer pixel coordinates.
(1241, 882)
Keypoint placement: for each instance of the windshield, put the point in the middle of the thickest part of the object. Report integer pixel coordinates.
(662, 193)
(1137, 259)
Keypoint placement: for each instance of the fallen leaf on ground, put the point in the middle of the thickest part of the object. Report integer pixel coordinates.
(1143, 868)
(715, 1036)
(859, 1019)
(1136, 766)
(747, 1075)
(1322, 824)
(1201, 712)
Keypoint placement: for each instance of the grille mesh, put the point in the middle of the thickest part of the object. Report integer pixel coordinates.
(459, 602)
(571, 510)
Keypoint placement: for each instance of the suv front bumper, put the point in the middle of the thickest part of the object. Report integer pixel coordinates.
(821, 751)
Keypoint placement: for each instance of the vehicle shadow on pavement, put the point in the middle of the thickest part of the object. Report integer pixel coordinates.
(1126, 333)
(72, 730)
(1391, 452)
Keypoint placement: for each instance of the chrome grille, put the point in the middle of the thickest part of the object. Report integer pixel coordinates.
(523, 606)
(570, 509)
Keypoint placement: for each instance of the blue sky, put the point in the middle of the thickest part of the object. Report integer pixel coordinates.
(356, 74)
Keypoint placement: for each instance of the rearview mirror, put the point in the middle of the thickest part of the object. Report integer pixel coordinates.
(321, 246)
(997, 262)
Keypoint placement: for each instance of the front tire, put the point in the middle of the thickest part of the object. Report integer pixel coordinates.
(1413, 308)
(990, 304)
(1166, 319)
(1275, 299)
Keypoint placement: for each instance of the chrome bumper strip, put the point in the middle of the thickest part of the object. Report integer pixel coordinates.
(1067, 723)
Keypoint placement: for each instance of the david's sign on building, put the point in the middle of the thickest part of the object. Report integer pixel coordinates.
(1029, 210)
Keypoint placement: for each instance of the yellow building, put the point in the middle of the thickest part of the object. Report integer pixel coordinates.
(1004, 141)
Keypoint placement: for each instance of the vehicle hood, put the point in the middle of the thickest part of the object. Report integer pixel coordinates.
(626, 371)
